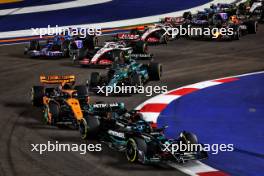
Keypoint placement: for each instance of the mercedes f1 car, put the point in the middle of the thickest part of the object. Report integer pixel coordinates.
(141, 142)
(125, 73)
(106, 55)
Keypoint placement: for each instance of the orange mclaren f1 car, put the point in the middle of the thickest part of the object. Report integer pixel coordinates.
(62, 102)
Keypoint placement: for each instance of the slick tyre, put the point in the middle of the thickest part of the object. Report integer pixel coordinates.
(82, 90)
(94, 79)
(155, 71)
(53, 113)
(136, 80)
(141, 47)
(34, 45)
(187, 15)
(37, 94)
(164, 39)
(134, 145)
(89, 127)
(65, 48)
(252, 27)
(237, 33)
(189, 138)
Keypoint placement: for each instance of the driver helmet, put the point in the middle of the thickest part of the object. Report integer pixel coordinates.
(65, 86)
(234, 19)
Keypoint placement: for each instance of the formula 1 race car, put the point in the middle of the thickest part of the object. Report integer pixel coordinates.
(106, 55)
(252, 8)
(155, 34)
(125, 73)
(230, 9)
(56, 47)
(62, 104)
(140, 141)
(234, 26)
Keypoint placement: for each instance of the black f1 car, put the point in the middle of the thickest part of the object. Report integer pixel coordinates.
(141, 142)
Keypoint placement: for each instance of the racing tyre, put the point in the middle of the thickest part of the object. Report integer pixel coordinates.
(53, 113)
(141, 47)
(37, 94)
(136, 80)
(134, 32)
(187, 15)
(74, 58)
(34, 45)
(82, 90)
(134, 145)
(95, 79)
(82, 53)
(252, 27)
(155, 71)
(237, 34)
(89, 127)
(90, 42)
(189, 138)
(66, 48)
(164, 39)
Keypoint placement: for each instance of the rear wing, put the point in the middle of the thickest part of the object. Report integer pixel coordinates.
(125, 36)
(55, 79)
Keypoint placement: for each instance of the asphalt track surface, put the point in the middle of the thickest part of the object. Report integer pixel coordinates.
(184, 62)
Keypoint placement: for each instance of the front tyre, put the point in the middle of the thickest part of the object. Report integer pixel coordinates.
(155, 71)
(89, 127)
(37, 94)
(53, 113)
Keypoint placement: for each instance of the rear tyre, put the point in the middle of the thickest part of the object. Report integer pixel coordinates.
(134, 145)
(82, 53)
(141, 48)
(82, 90)
(252, 27)
(134, 32)
(164, 39)
(66, 48)
(37, 94)
(155, 71)
(189, 138)
(187, 15)
(74, 58)
(237, 33)
(95, 79)
(89, 127)
(34, 45)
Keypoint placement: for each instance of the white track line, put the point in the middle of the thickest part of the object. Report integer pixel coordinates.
(120, 23)
(193, 168)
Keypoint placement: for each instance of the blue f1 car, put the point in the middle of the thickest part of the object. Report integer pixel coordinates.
(57, 47)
